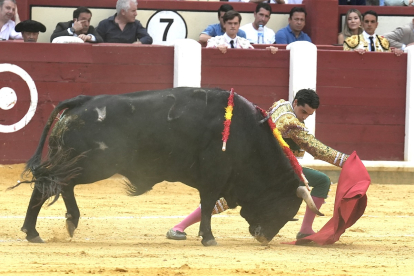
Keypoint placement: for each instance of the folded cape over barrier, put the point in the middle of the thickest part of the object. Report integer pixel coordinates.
(350, 202)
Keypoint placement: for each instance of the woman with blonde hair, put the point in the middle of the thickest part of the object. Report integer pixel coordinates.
(352, 26)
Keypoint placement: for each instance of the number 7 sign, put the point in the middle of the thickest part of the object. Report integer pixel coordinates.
(165, 27)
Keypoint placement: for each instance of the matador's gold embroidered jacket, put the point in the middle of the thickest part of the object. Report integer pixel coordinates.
(298, 137)
(358, 42)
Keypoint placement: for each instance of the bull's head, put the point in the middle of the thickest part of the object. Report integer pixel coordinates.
(266, 220)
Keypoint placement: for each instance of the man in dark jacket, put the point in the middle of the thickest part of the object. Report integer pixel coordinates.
(78, 27)
(123, 27)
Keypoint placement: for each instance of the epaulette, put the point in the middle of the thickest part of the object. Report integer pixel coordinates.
(385, 44)
(352, 42)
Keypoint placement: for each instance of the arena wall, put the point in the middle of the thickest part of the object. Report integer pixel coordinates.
(63, 71)
(363, 97)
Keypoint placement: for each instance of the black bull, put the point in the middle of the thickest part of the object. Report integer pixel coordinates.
(172, 135)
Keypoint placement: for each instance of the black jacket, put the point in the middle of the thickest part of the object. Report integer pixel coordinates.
(62, 30)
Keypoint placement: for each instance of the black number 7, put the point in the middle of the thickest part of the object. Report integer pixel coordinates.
(169, 21)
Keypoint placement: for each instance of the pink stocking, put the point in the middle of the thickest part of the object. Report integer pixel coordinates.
(310, 216)
(192, 218)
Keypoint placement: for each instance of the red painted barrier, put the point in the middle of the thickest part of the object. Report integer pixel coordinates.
(257, 75)
(362, 96)
(362, 103)
(63, 71)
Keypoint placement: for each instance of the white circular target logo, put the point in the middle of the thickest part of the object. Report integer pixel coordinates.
(8, 98)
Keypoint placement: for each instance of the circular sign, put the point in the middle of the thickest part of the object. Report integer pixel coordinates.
(8, 100)
(165, 27)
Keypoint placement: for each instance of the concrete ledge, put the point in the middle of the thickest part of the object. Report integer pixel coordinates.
(381, 172)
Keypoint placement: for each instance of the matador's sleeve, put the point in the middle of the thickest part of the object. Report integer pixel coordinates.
(385, 44)
(292, 128)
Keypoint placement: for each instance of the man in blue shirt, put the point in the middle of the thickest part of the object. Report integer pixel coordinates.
(293, 31)
(218, 29)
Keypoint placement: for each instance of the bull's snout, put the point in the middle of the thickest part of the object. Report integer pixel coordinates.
(259, 235)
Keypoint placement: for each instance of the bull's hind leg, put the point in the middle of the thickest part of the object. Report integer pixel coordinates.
(72, 210)
(29, 226)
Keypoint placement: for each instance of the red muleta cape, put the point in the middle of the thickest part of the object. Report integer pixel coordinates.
(350, 202)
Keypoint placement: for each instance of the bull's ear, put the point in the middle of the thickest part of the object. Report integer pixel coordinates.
(302, 192)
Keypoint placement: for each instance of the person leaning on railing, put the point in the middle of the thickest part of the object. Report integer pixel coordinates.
(402, 36)
(123, 27)
(8, 11)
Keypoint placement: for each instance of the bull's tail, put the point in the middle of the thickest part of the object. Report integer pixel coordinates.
(58, 168)
(35, 160)
(53, 173)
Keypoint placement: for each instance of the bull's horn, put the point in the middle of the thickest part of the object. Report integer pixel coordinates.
(302, 192)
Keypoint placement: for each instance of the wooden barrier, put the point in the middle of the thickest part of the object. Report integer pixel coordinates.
(362, 103)
(257, 75)
(362, 96)
(63, 71)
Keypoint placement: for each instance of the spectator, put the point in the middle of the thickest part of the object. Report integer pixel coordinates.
(261, 17)
(264, 1)
(401, 37)
(368, 40)
(293, 31)
(218, 29)
(78, 27)
(230, 39)
(30, 30)
(8, 10)
(352, 2)
(398, 2)
(123, 27)
(352, 26)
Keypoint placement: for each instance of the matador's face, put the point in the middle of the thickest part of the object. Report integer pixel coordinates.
(302, 112)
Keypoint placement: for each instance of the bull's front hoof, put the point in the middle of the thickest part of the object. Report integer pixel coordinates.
(70, 227)
(209, 242)
(37, 239)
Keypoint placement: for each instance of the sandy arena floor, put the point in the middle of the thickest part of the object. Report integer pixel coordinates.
(121, 235)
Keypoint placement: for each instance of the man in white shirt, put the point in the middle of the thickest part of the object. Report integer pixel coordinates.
(8, 10)
(261, 17)
(230, 39)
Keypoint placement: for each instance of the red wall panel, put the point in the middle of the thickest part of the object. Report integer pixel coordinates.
(59, 75)
(362, 97)
(362, 103)
(258, 75)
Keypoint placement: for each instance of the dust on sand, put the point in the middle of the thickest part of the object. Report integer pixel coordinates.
(122, 235)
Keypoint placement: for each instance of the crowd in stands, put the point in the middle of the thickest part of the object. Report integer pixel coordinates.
(122, 27)
(358, 33)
